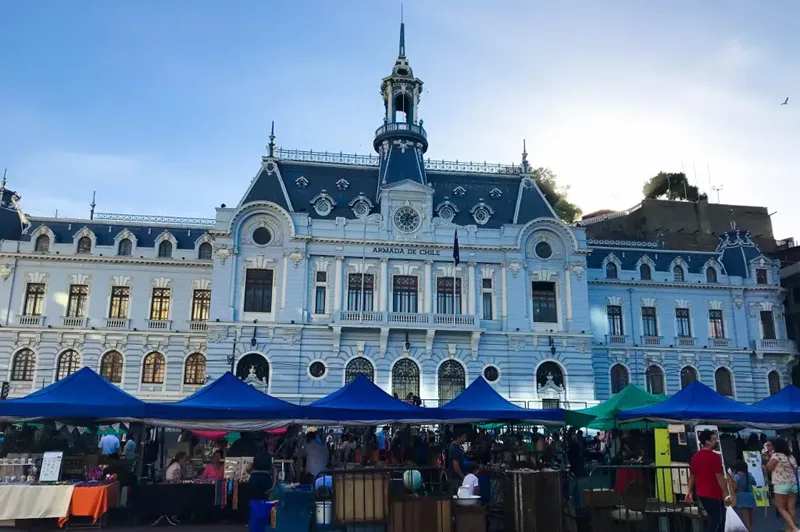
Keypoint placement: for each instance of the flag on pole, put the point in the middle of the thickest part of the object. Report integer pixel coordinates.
(456, 253)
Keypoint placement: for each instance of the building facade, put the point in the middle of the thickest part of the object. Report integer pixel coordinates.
(333, 266)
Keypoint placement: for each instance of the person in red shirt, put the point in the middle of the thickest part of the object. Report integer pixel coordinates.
(707, 479)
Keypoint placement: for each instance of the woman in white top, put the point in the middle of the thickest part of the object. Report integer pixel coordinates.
(175, 468)
(471, 480)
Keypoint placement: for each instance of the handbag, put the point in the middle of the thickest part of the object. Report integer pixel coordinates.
(732, 521)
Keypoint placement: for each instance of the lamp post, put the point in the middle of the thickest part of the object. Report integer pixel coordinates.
(232, 356)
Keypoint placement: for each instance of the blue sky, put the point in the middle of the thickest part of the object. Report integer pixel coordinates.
(164, 107)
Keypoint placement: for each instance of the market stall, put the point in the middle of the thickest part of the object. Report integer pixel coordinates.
(785, 402)
(631, 397)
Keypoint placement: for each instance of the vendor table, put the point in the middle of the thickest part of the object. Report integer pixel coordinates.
(92, 501)
(23, 501)
(200, 501)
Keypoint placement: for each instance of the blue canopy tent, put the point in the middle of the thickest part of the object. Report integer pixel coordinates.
(697, 403)
(786, 401)
(225, 404)
(361, 402)
(481, 402)
(83, 395)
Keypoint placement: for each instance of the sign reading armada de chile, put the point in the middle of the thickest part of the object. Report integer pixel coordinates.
(407, 251)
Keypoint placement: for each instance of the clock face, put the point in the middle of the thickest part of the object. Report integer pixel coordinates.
(406, 220)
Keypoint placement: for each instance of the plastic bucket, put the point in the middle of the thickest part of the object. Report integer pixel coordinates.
(324, 512)
(260, 515)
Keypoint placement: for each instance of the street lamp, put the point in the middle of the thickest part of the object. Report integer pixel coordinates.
(232, 356)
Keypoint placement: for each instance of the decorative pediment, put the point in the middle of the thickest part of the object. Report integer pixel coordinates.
(715, 305)
(260, 262)
(550, 390)
(405, 268)
(301, 182)
(37, 277)
(495, 193)
(201, 284)
(459, 191)
(681, 303)
(648, 302)
(125, 233)
(543, 274)
(614, 301)
(79, 278)
(161, 282)
(120, 280)
(343, 184)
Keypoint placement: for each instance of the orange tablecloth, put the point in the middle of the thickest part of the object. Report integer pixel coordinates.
(92, 501)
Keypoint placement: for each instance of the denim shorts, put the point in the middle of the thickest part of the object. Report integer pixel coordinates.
(785, 489)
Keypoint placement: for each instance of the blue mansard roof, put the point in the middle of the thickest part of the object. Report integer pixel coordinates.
(64, 231)
(306, 175)
(735, 252)
(10, 220)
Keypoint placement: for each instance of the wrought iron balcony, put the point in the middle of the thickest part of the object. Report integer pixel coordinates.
(405, 319)
(775, 344)
(685, 341)
(414, 132)
(117, 323)
(31, 321)
(619, 339)
(719, 342)
(74, 321)
(652, 340)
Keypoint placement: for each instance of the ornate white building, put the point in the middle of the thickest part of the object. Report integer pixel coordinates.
(332, 266)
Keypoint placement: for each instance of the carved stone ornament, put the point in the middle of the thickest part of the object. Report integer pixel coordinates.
(515, 266)
(223, 252)
(296, 256)
(577, 269)
(6, 270)
(739, 301)
(515, 343)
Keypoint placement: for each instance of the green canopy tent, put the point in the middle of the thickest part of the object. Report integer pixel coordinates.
(629, 398)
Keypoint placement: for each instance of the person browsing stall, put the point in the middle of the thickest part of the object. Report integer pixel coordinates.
(175, 469)
(109, 444)
(216, 469)
(315, 454)
(707, 479)
(455, 461)
(783, 467)
(129, 451)
(262, 474)
(471, 480)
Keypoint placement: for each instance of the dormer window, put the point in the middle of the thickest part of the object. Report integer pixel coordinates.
(125, 247)
(611, 271)
(323, 203)
(761, 276)
(165, 249)
(711, 275)
(361, 206)
(84, 245)
(677, 273)
(446, 210)
(645, 272)
(42, 244)
(204, 251)
(481, 213)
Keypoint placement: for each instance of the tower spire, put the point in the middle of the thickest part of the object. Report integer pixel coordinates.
(271, 145)
(402, 51)
(93, 204)
(525, 165)
(3, 186)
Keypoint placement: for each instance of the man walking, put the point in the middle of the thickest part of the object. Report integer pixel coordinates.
(708, 480)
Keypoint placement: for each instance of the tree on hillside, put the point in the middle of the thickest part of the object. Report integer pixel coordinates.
(672, 186)
(555, 195)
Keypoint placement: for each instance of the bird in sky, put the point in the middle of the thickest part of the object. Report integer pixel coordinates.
(786, 101)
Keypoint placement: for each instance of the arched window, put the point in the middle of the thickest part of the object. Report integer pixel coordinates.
(195, 371)
(611, 270)
(774, 379)
(42, 243)
(711, 274)
(204, 251)
(153, 369)
(23, 366)
(723, 381)
(677, 273)
(165, 249)
(254, 364)
(68, 363)
(359, 366)
(84, 245)
(452, 380)
(111, 367)
(619, 378)
(549, 372)
(688, 376)
(645, 272)
(125, 247)
(655, 380)
(405, 378)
